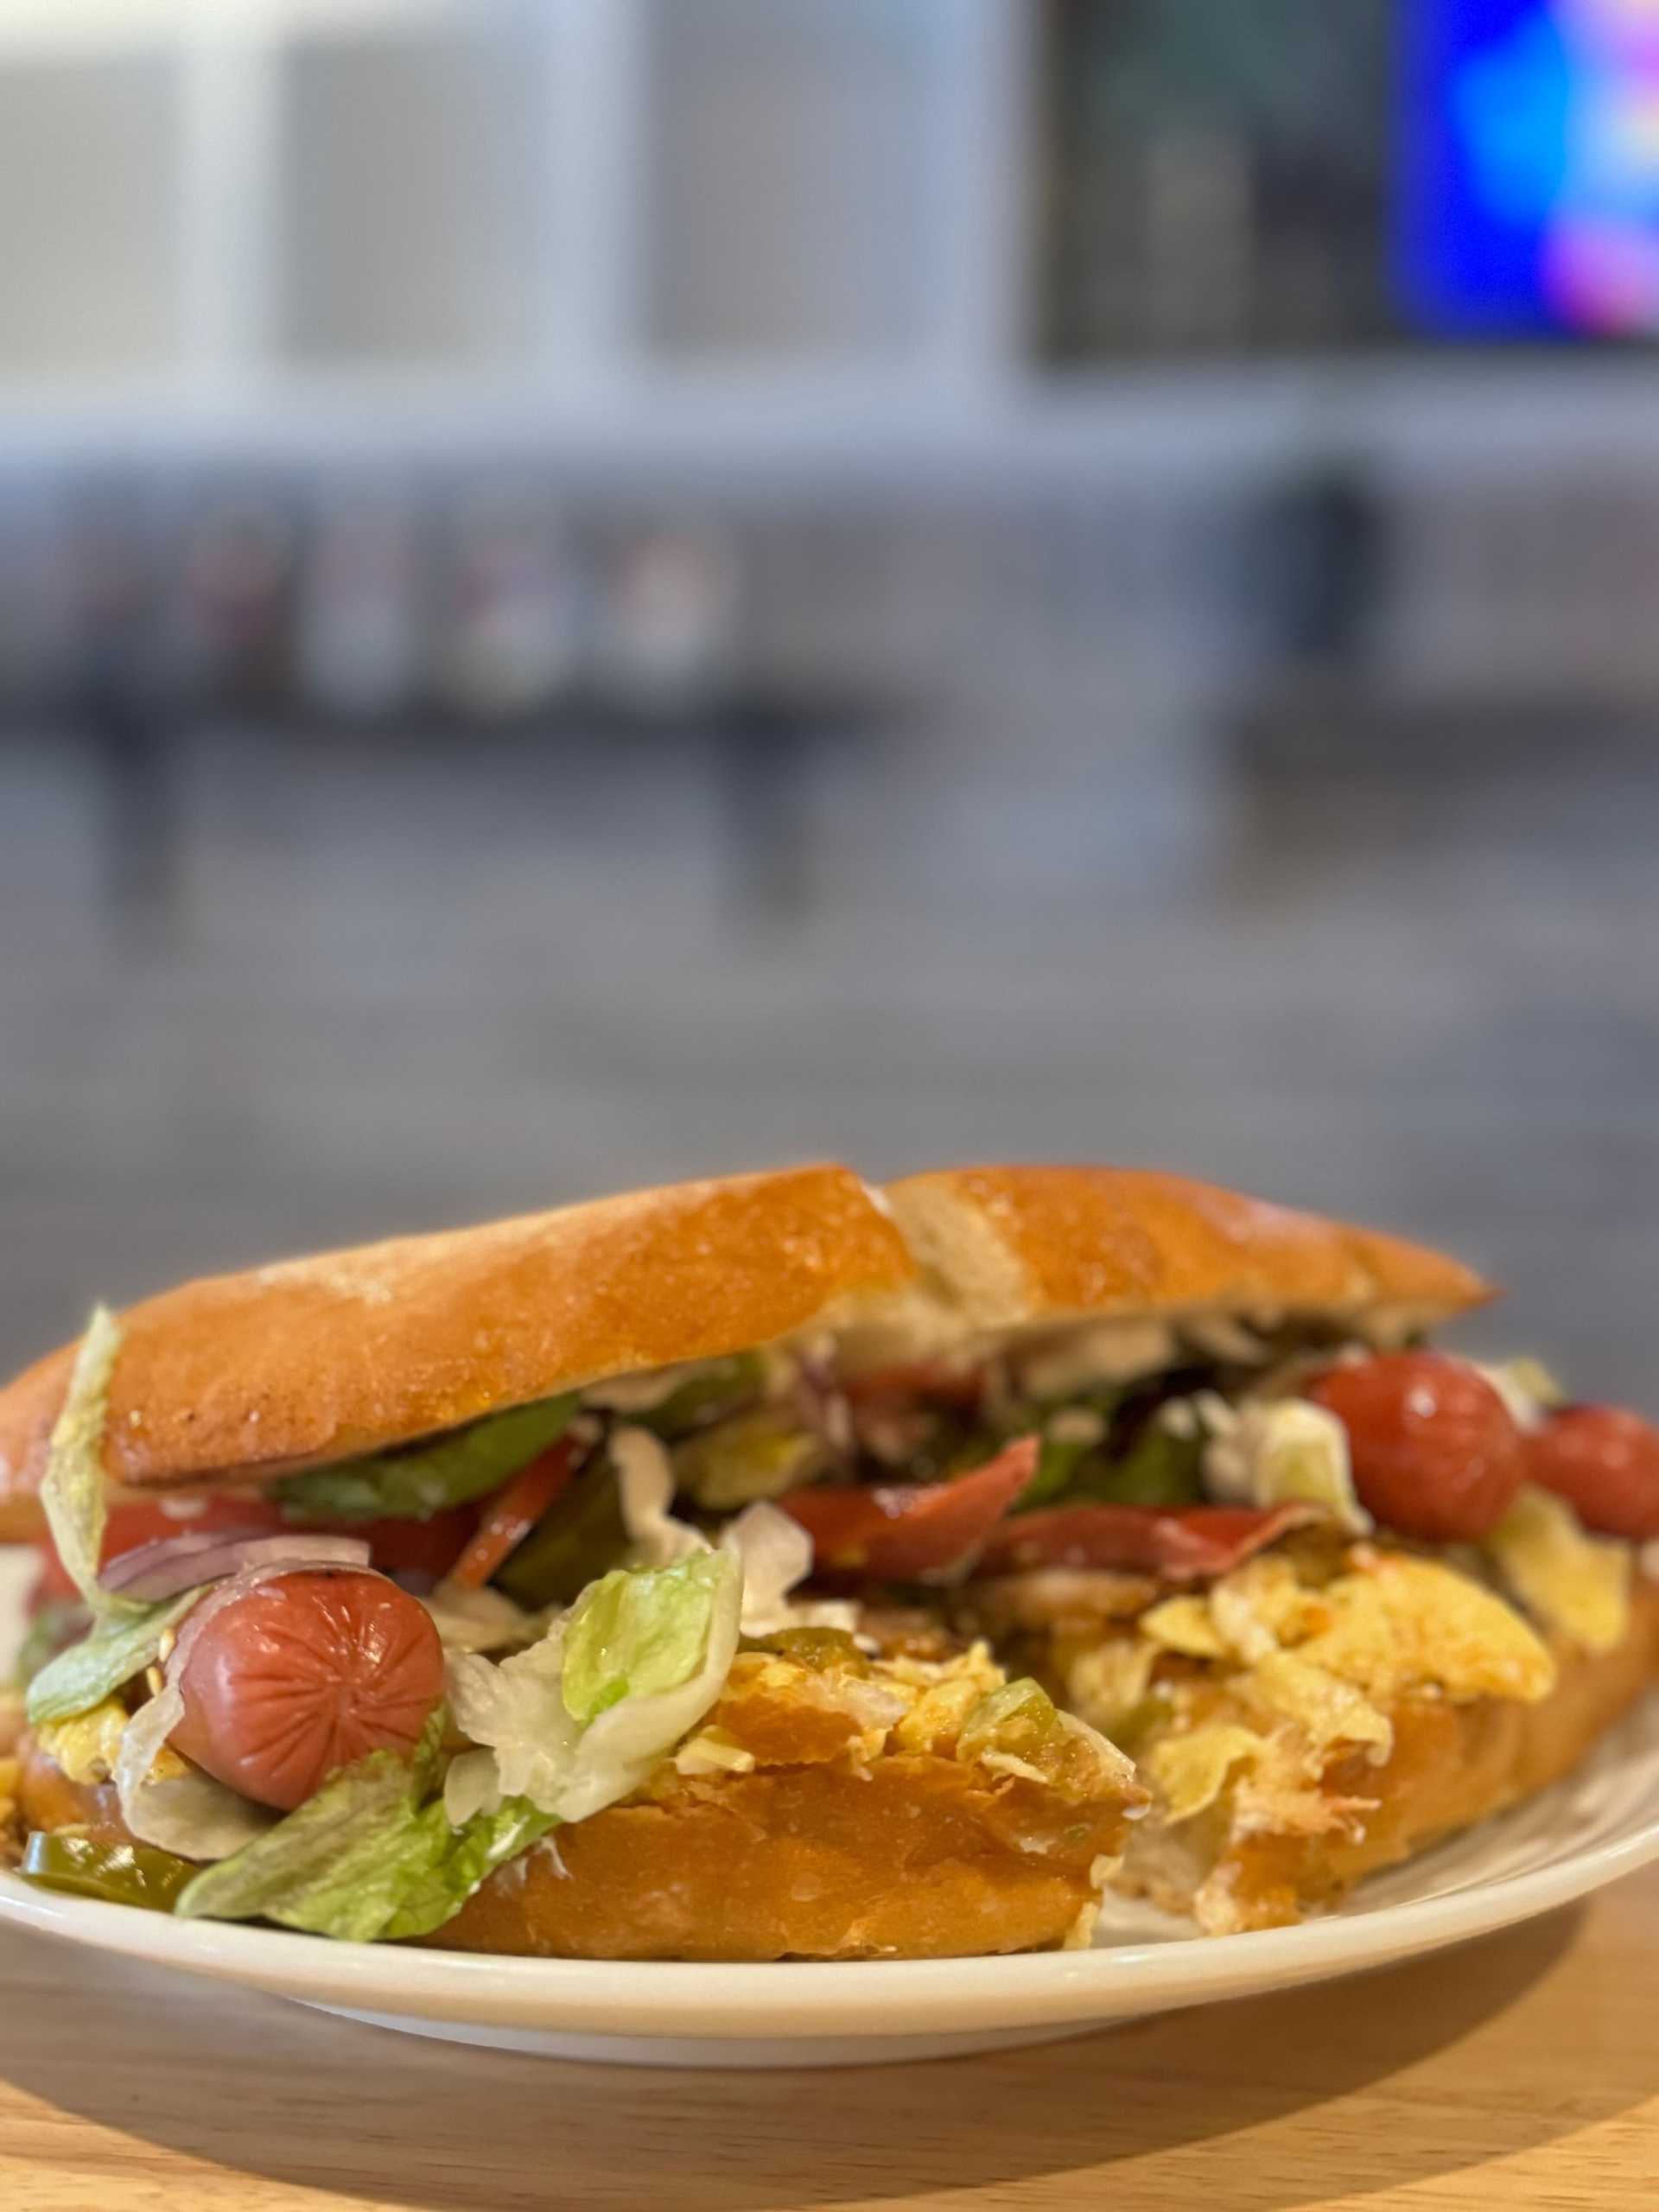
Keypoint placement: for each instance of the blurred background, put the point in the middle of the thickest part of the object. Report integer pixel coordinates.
(596, 590)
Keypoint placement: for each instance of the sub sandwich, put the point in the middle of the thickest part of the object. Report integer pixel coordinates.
(778, 1568)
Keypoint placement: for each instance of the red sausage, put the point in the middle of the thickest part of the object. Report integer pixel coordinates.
(1603, 1461)
(1187, 1544)
(1435, 1454)
(897, 1532)
(303, 1675)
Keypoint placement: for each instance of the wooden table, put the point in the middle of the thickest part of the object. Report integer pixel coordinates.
(1522, 2071)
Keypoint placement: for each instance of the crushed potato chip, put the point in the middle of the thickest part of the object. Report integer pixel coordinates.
(1191, 1772)
(934, 1722)
(88, 1745)
(1105, 1684)
(1577, 1584)
(1185, 1625)
(1407, 1624)
(1263, 1606)
(1326, 1710)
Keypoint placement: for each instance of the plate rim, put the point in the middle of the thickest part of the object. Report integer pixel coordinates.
(805, 1998)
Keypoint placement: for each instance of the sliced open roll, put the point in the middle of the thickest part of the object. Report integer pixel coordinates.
(772, 1568)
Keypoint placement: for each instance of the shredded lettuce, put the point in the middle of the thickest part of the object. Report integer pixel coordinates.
(644, 1481)
(637, 1635)
(73, 1487)
(1159, 1468)
(54, 1629)
(1281, 1452)
(756, 1455)
(419, 1480)
(579, 1720)
(570, 1727)
(774, 1551)
(90, 1671)
(371, 1857)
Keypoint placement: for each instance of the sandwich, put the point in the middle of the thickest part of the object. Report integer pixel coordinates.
(367, 1614)
(778, 1568)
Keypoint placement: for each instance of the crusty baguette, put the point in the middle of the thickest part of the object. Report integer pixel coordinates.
(241, 1376)
(1450, 1765)
(916, 1858)
(1012, 1247)
(293, 1366)
(869, 1824)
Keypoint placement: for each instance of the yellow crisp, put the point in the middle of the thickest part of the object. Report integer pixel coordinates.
(1327, 1711)
(1262, 1605)
(87, 1745)
(1192, 1772)
(1408, 1624)
(1577, 1584)
(1184, 1625)
(1106, 1682)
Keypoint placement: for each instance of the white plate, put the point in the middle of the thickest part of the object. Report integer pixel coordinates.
(1603, 1823)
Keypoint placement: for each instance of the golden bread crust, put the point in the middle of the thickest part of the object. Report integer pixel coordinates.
(1022, 1245)
(915, 1857)
(318, 1359)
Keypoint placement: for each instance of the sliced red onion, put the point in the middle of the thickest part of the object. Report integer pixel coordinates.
(152, 1572)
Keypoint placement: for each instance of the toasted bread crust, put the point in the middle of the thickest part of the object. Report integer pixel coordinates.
(1013, 1246)
(241, 1376)
(918, 1857)
(317, 1359)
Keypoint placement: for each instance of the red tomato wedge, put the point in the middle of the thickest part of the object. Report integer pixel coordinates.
(146, 1520)
(1603, 1461)
(1180, 1546)
(904, 1532)
(1434, 1451)
(513, 1511)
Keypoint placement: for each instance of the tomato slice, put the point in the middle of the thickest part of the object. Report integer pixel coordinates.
(147, 1519)
(1180, 1546)
(515, 1509)
(395, 1547)
(902, 1533)
(414, 1547)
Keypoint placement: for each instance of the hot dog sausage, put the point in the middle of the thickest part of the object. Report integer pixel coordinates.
(303, 1675)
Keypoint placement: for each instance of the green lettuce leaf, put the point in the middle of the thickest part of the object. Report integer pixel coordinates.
(1159, 1469)
(421, 1479)
(455, 1862)
(754, 1456)
(582, 1718)
(72, 1488)
(371, 1857)
(636, 1635)
(57, 1625)
(90, 1671)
